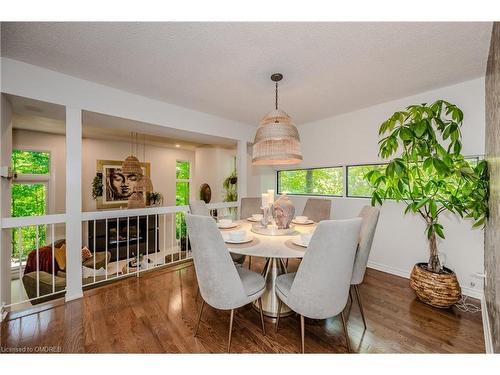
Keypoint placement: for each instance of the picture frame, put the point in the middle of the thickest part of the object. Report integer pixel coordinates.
(117, 187)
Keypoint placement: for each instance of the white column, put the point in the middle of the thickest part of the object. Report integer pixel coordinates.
(241, 168)
(73, 203)
(5, 201)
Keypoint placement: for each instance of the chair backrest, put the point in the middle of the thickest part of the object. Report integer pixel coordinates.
(318, 209)
(219, 282)
(370, 216)
(250, 206)
(198, 208)
(322, 282)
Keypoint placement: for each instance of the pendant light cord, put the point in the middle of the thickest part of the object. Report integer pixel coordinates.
(276, 102)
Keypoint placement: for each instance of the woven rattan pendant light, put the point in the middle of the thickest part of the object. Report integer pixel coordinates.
(145, 184)
(131, 165)
(277, 141)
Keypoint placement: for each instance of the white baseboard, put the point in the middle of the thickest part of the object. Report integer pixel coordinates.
(388, 269)
(488, 341)
(470, 292)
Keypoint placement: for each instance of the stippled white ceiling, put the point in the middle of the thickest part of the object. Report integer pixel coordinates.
(224, 68)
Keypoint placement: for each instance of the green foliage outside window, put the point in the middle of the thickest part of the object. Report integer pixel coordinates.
(29, 199)
(357, 185)
(318, 181)
(30, 162)
(182, 170)
(181, 196)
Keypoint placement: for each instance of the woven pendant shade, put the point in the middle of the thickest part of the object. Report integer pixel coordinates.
(144, 184)
(131, 165)
(136, 200)
(277, 141)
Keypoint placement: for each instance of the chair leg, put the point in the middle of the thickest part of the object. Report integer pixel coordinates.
(279, 313)
(286, 263)
(261, 316)
(345, 332)
(351, 299)
(230, 331)
(249, 262)
(302, 332)
(199, 317)
(358, 297)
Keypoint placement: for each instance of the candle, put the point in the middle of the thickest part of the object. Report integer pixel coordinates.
(270, 193)
(265, 200)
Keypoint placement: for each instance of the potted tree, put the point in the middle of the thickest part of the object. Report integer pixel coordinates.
(431, 176)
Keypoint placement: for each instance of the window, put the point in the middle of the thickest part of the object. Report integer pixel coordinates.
(29, 197)
(183, 179)
(357, 185)
(314, 181)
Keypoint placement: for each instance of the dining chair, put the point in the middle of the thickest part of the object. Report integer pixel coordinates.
(370, 216)
(319, 288)
(317, 209)
(222, 285)
(199, 207)
(248, 207)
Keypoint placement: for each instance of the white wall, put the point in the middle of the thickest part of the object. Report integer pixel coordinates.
(352, 137)
(213, 165)
(399, 243)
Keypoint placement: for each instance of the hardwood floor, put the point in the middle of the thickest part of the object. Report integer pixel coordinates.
(157, 312)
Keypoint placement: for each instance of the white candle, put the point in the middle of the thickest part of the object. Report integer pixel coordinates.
(270, 193)
(265, 200)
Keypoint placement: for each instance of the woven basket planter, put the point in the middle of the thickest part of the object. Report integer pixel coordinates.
(440, 290)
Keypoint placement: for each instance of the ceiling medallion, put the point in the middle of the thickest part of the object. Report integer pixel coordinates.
(277, 141)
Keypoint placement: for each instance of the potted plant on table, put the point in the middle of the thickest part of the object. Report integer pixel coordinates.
(431, 176)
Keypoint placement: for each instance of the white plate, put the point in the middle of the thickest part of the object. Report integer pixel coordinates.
(297, 241)
(232, 225)
(252, 219)
(307, 222)
(245, 240)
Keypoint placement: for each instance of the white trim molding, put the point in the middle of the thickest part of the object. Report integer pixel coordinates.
(488, 340)
(469, 292)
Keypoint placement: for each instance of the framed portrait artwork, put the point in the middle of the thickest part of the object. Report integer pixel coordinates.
(117, 187)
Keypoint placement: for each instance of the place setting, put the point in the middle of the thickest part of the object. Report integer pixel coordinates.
(237, 237)
(255, 218)
(227, 224)
(302, 240)
(302, 220)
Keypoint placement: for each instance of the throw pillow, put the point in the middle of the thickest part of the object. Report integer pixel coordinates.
(86, 254)
(60, 255)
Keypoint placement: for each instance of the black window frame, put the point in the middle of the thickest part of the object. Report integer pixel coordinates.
(476, 157)
(345, 178)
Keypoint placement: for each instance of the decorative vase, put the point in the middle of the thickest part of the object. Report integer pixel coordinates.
(440, 290)
(283, 212)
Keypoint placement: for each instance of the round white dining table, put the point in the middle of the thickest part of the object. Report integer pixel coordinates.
(275, 249)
